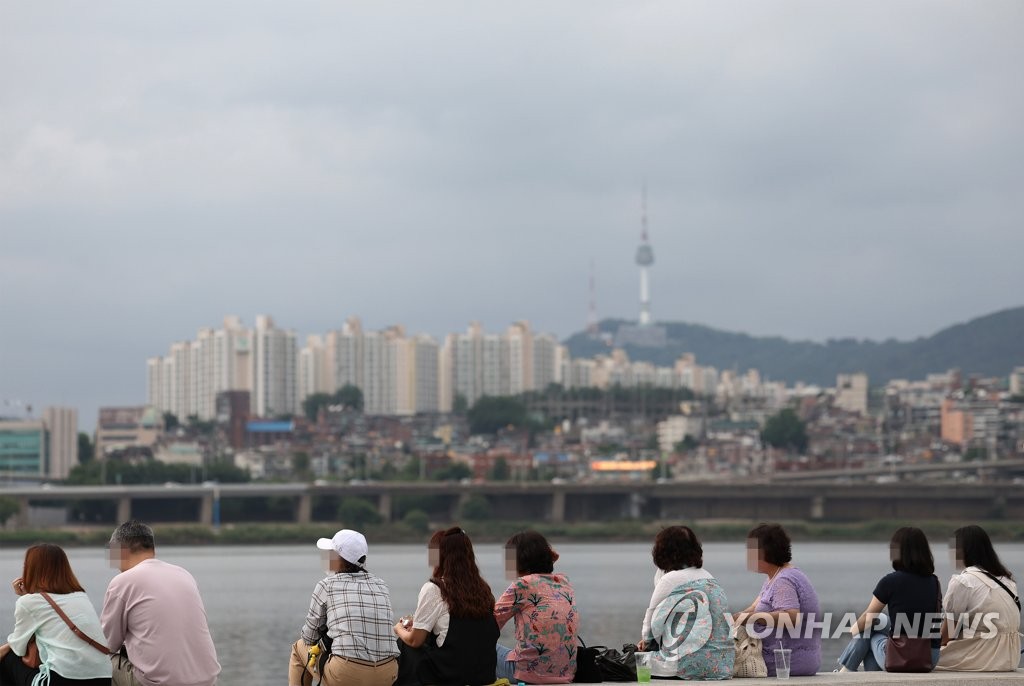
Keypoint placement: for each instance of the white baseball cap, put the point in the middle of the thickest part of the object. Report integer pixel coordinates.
(350, 545)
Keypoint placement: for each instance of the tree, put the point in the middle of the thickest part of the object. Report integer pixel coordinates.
(476, 508)
(459, 404)
(417, 520)
(688, 443)
(489, 414)
(8, 508)
(85, 448)
(453, 471)
(312, 404)
(350, 396)
(356, 513)
(171, 421)
(785, 430)
(301, 464)
(500, 471)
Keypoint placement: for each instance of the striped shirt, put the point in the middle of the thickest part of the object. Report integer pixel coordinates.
(356, 608)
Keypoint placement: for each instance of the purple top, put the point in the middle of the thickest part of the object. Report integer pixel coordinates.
(790, 588)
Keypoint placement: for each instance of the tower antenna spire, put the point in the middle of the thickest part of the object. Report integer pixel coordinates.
(644, 259)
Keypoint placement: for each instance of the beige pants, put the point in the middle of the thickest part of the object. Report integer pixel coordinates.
(124, 672)
(338, 671)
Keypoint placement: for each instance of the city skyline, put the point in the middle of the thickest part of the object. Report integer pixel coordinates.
(812, 172)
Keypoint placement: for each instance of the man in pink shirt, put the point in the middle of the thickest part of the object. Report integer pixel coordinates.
(152, 609)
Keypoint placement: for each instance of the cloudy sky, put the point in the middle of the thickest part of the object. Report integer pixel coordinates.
(814, 170)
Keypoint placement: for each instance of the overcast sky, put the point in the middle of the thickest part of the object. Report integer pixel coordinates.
(814, 170)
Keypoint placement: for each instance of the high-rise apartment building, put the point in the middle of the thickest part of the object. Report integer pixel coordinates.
(314, 375)
(274, 369)
(62, 423)
(187, 380)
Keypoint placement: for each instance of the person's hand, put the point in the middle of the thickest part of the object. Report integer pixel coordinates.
(4, 649)
(740, 619)
(19, 586)
(641, 646)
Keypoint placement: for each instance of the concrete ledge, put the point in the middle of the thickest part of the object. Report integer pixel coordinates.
(871, 678)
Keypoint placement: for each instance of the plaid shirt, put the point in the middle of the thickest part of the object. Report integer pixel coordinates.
(356, 608)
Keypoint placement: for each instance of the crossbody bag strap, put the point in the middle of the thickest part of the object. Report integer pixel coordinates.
(71, 625)
(990, 575)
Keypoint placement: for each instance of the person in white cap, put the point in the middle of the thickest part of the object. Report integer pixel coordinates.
(353, 608)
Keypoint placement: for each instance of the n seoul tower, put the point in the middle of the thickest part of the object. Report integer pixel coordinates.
(644, 259)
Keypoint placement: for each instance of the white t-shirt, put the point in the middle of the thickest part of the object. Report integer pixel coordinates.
(664, 582)
(431, 612)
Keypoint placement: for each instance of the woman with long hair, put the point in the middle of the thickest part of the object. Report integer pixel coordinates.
(64, 657)
(451, 636)
(787, 602)
(543, 606)
(981, 631)
(912, 595)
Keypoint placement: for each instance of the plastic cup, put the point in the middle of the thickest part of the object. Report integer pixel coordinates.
(782, 662)
(643, 667)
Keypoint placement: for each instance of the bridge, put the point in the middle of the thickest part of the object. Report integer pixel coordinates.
(976, 467)
(552, 502)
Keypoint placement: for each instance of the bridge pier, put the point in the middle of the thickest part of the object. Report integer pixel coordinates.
(304, 509)
(457, 505)
(384, 507)
(124, 509)
(206, 510)
(21, 519)
(558, 507)
(817, 507)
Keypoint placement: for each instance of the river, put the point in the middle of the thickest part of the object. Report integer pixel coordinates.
(256, 596)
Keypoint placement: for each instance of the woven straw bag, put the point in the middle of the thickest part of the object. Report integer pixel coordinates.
(749, 660)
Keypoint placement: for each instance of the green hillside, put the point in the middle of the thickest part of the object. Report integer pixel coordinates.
(991, 345)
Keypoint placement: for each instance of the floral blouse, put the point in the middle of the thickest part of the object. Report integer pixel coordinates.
(544, 608)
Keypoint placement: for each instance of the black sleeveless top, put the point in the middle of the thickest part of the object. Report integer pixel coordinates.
(467, 656)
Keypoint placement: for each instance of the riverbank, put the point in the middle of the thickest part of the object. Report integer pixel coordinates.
(492, 531)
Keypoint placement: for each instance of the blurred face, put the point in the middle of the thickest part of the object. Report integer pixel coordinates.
(894, 553)
(433, 557)
(330, 561)
(511, 573)
(956, 556)
(117, 556)
(755, 558)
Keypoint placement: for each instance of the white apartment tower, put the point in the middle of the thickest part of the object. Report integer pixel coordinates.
(187, 380)
(520, 358)
(314, 375)
(274, 369)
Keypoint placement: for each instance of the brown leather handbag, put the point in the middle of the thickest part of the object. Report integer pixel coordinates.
(31, 656)
(906, 654)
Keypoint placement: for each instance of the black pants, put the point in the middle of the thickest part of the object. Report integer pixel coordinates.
(13, 672)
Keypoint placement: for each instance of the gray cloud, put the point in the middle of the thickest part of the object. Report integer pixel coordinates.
(815, 170)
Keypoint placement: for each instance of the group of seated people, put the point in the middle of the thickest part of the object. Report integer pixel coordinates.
(452, 636)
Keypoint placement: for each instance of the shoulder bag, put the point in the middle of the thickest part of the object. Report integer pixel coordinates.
(31, 657)
(906, 654)
(990, 575)
(749, 658)
(587, 671)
